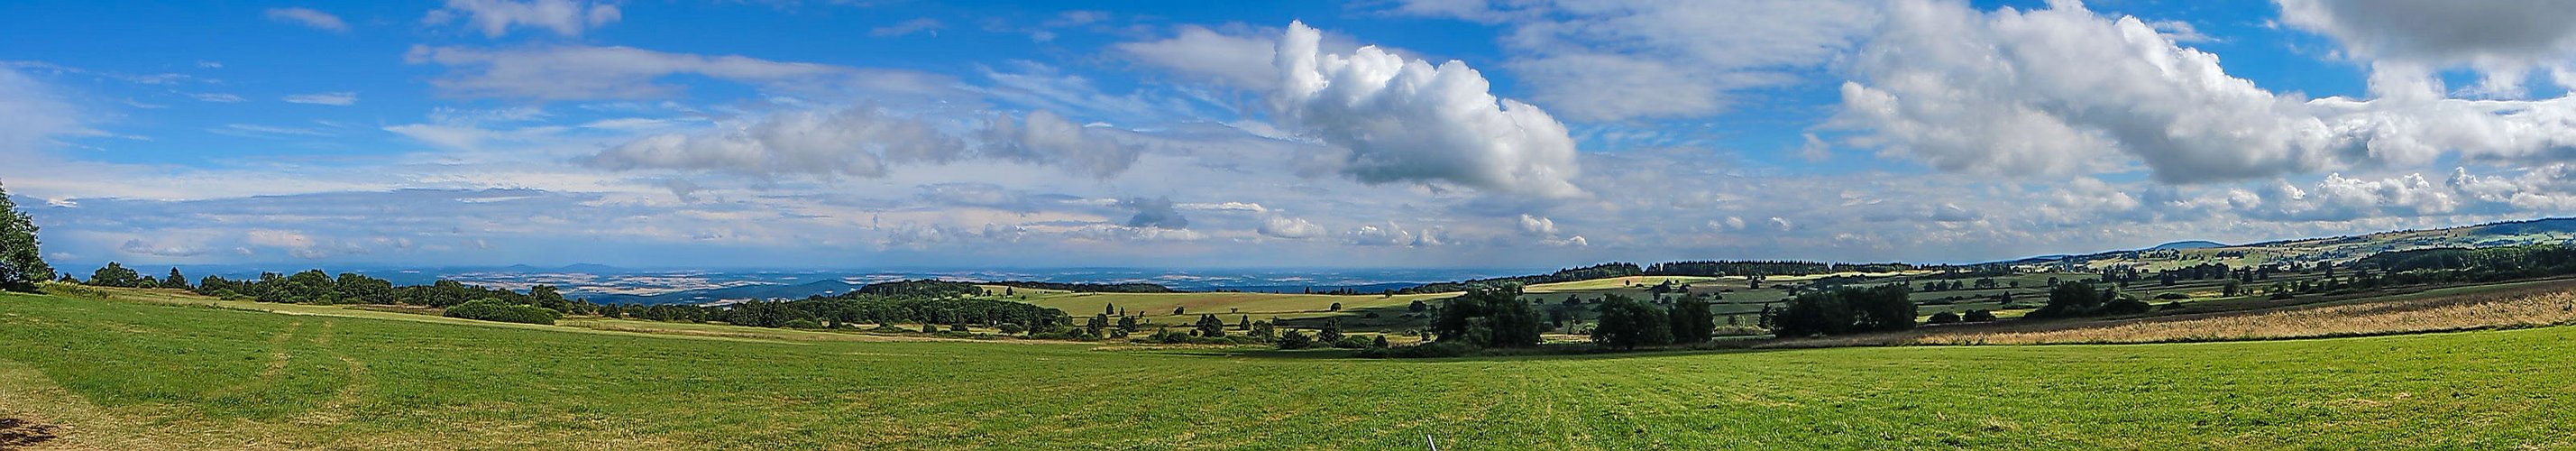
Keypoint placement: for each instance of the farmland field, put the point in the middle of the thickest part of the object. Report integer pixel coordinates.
(124, 374)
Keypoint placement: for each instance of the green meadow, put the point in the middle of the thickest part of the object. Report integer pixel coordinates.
(127, 374)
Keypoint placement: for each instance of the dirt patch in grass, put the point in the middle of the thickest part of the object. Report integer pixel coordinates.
(17, 433)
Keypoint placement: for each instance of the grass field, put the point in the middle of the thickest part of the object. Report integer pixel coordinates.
(128, 375)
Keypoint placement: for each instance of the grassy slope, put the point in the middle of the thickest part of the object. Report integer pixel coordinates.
(157, 376)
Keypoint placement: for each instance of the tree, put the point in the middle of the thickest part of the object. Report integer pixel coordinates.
(22, 264)
(1264, 330)
(1628, 323)
(1127, 324)
(114, 275)
(1943, 318)
(175, 280)
(1331, 332)
(1177, 311)
(1336, 307)
(1098, 322)
(1418, 306)
(1692, 323)
(1209, 326)
(1488, 316)
(1843, 310)
(1380, 342)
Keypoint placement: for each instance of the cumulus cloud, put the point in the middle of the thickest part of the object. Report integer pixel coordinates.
(1537, 225)
(308, 17)
(495, 18)
(1156, 213)
(1398, 120)
(1391, 235)
(2505, 39)
(324, 98)
(858, 141)
(589, 73)
(2066, 91)
(1621, 59)
(1045, 138)
(1290, 228)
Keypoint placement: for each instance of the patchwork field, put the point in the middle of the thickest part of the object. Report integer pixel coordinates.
(126, 375)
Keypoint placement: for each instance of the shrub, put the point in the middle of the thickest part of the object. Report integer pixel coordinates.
(2170, 306)
(1295, 339)
(1015, 329)
(2126, 306)
(488, 309)
(1351, 342)
(1977, 316)
(2173, 296)
(1943, 318)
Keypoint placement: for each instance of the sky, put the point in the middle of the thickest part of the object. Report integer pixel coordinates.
(1358, 134)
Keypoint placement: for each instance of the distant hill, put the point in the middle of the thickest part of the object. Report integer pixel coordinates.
(2194, 244)
(2322, 250)
(762, 291)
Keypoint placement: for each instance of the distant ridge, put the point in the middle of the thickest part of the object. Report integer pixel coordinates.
(2193, 244)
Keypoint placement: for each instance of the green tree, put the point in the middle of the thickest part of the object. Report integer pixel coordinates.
(1692, 322)
(1489, 316)
(175, 280)
(114, 275)
(22, 264)
(1627, 323)
(1331, 332)
(1209, 326)
(1127, 324)
(1264, 330)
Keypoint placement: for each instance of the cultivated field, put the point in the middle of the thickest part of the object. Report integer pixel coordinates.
(132, 375)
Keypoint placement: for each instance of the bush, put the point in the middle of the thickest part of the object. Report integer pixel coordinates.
(488, 309)
(2126, 306)
(890, 328)
(2173, 296)
(2170, 306)
(1295, 339)
(1351, 342)
(1977, 316)
(1943, 318)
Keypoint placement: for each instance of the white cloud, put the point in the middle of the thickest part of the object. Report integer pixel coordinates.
(1538, 225)
(2505, 39)
(580, 72)
(859, 141)
(1045, 138)
(1290, 228)
(2065, 91)
(1399, 120)
(1241, 60)
(1621, 59)
(494, 18)
(31, 115)
(920, 25)
(325, 98)
(216, 97)
(307, 17)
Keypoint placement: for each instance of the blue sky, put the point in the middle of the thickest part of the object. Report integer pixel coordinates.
(1420, 133)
